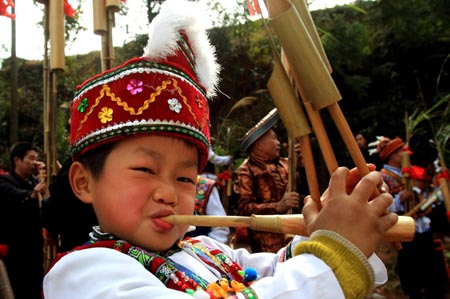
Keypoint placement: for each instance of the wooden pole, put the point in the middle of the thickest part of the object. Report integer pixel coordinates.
(46, 91)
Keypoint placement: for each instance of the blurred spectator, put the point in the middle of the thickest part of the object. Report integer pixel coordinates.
(21, 192)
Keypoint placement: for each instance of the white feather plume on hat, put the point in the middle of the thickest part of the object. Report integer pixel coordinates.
(164, 32)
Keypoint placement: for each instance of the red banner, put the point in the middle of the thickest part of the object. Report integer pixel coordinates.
(68, 9)
(4, 4)
(253, 8)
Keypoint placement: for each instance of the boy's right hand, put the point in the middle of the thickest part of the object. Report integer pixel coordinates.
(355, 216)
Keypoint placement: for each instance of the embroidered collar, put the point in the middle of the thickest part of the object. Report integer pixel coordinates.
(178, 277)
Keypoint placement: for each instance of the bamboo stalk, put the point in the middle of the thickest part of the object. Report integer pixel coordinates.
(402, 231)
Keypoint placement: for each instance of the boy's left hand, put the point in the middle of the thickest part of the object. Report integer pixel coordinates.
(355, 216)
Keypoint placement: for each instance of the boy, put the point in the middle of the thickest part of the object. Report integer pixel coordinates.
(140, 136)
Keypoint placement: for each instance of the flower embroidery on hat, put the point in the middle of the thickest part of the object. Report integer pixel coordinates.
(83, 105)
(105, 115)
(135, 86)
(174, 105)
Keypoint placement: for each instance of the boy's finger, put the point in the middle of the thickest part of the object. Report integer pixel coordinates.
(388, 221)
(368, 182)
(381, 203)
(338, 181)
(310, 210)
(354, 176)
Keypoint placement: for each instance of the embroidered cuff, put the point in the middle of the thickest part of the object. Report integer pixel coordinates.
(350, 266)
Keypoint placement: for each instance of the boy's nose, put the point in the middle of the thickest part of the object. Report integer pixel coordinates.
(165, 193)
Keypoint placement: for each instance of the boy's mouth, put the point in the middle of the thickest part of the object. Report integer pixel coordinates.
(159, 222)
(162, 225)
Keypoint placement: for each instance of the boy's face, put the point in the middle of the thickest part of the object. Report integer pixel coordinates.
(145, 178)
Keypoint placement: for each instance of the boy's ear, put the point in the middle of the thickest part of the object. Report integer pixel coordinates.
(81, 181)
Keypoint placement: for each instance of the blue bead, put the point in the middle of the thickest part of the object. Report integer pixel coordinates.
(250, 274)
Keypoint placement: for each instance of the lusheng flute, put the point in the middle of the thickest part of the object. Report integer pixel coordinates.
(402, 231)
(424, 203)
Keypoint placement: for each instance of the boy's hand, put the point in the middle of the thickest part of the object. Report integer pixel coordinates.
(354, 216)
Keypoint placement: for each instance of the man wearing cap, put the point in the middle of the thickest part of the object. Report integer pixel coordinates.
(262, 180)
(390, 152)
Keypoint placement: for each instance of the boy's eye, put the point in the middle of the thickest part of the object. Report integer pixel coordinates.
(147, 170)
(186, 180)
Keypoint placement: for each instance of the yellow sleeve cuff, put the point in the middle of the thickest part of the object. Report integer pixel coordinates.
(350, 266)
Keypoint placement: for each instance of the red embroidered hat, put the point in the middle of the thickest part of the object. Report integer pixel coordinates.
(163, 92)
(387, 146)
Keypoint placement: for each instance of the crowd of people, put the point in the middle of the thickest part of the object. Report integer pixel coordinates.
(105, 210)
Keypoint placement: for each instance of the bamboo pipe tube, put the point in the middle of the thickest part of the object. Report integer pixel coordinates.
(317, 124)
(294, 120)
(305, 15)
(322, 138)
(99, 16)
(304, 59)
(348, 138)
(57, 57)
(309, 69)
(113, 5)
(402, 231)
(310, 169)
(288, 107)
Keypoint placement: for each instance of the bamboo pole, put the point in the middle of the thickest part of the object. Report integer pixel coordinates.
(46, 89)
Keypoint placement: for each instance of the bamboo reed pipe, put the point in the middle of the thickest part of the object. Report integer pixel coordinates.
(322, 137)
(294, 120)
(310, 169)
(310, 72)
(57, 57)
(305, 15)
(348, 138)
(402, 231)
(99, 16)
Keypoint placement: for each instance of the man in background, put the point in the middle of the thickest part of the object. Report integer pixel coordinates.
(21, 191)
